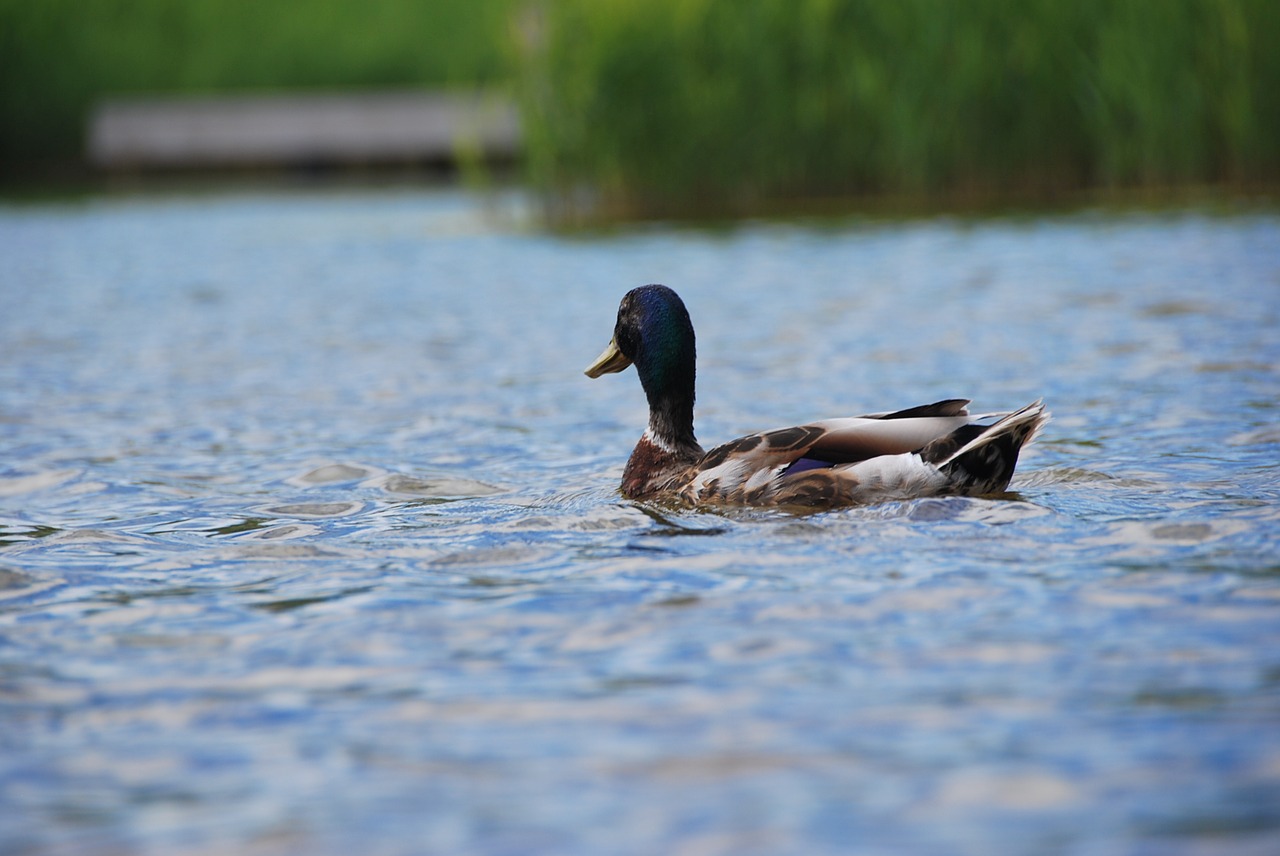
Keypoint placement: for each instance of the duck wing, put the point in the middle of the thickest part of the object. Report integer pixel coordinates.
(867, 459)
(742, 467)
(858, 438)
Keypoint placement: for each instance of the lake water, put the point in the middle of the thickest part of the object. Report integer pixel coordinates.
(310, 539)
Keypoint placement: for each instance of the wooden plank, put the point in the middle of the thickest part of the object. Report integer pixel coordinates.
(284, 130)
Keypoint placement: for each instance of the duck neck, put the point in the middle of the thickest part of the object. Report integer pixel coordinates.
(671, 425)
(671, 418)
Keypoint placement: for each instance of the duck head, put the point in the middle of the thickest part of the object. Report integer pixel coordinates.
(653, 332)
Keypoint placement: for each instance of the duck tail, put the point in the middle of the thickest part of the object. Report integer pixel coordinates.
(985, 463)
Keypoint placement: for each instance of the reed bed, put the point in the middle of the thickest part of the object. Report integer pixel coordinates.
(665, 107)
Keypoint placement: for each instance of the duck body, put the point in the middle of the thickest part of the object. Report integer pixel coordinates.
(930, 450)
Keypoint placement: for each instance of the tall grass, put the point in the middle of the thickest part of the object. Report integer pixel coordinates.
(673, 106)
(58, 56)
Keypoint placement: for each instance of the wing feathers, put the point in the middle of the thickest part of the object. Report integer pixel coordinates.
(845, 441)
(854, 459)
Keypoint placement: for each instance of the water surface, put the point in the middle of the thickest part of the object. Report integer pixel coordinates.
(309, 537)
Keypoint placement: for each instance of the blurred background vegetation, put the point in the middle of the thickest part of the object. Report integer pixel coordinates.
(58, 57)
(710, 105)
(720, 106)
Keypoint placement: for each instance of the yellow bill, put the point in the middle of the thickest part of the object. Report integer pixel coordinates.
(610, 360)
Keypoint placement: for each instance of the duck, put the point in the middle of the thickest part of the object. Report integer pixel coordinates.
(933, 449)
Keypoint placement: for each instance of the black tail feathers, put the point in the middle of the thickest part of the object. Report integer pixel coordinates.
(985, 462)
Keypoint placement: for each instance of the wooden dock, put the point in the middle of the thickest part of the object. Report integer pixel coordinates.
(331, 129)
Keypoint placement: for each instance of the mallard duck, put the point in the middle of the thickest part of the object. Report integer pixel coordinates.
(931, 450)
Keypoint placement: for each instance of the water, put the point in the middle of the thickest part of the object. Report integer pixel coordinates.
(309, 539)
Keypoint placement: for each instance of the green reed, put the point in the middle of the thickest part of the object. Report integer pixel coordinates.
(699, 106)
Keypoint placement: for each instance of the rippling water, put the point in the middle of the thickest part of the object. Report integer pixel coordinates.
(309, 539)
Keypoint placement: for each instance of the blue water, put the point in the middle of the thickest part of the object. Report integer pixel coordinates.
(309, 538)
